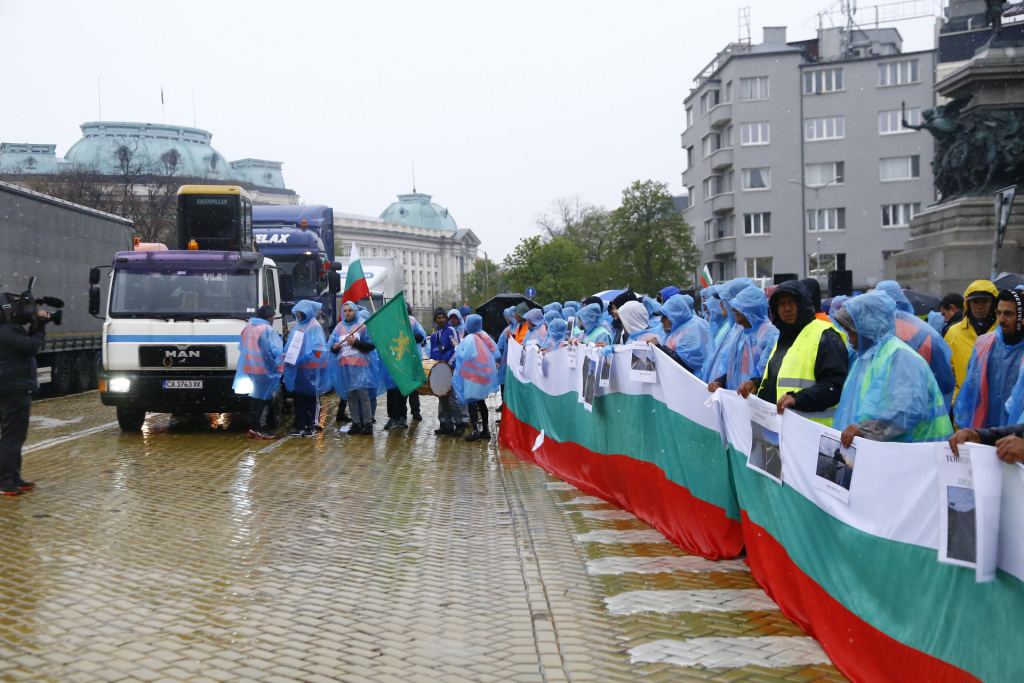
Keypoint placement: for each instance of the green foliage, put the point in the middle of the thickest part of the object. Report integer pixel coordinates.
(481, 283)
(556, 268)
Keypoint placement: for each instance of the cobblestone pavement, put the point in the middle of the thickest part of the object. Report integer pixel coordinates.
(191, 553)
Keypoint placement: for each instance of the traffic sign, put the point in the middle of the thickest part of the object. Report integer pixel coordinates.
(531, 292)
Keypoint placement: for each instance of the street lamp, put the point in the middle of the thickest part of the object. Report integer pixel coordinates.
(816, 188)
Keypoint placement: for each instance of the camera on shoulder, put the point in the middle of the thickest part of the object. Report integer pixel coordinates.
(23, 309)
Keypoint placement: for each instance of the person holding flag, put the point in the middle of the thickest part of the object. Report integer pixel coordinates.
(305, 365)
(354, 371)
(399, 403)
(476, 376)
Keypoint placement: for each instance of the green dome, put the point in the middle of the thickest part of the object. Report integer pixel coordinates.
(153, 147)
(418, 211)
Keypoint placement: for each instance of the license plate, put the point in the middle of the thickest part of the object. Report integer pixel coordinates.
(183, 384)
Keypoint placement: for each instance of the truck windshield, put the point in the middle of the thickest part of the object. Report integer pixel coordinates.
(305, 277)
(183, 293)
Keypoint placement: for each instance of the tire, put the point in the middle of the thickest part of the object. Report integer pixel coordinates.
(130, 419)
(61, 374)
(81, 371)
(95, 368)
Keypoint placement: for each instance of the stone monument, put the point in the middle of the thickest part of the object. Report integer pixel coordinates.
(979, 149)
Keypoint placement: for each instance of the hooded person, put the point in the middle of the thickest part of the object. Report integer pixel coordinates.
(809, 363)
(458, 323)
(443, 342)
(993, 369)
(506, 334)
(552, 315)
(594, 329)
(618, 334)
(752, 342)
(355, 370)
(921, 337)
(558, 331)
(712, 312)
(260, 366)
(307, 378)
(814, 290)
(475, 377)
(521, 309)
(937, 321)
(574, 305)
(634, 317)
(890, 393)
(653, 310)
(979, 318)
(688, 338)
(553, 306)
(667, 293)
(715, 366)
(537, 329)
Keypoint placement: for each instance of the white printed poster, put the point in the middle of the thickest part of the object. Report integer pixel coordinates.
(571, 352)
(641, 366)
(987, 470)
(765, 452)
(833, 471)
(291, 356)
(958, 529)
(606, 371)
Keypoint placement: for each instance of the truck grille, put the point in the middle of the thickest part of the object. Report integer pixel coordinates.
(192, 356)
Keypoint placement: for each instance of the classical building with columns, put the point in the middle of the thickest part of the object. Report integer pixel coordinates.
(422, 239)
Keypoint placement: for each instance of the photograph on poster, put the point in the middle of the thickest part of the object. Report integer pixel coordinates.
(589, 382)
(641, 364)
(961, 527)
(834, 469)
(765, 455)
(606, 372)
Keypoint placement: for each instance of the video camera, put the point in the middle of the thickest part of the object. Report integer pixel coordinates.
(22, 309)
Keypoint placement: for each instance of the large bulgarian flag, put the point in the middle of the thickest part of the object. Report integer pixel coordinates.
(355, 281)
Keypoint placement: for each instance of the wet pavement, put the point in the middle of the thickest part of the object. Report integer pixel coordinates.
(191, 553)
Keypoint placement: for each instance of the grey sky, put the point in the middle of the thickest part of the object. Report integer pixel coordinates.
(503, 106)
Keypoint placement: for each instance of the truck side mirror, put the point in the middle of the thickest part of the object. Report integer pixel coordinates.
(94, 297)
(94, 275)
(337, 265)
(286, 307)
(333, 282)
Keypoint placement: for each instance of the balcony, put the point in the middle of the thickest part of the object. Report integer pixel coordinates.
(721, 158)
(720, 114)
(723, 246)
(723, 203)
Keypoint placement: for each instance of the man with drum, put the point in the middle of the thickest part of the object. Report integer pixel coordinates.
(442, 348)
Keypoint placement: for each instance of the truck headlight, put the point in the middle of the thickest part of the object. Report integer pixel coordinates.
(243, 386)
(119, 384)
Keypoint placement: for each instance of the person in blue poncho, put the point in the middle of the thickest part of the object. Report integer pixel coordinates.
(594, 331)
(890, 392)
(260, 366)
(751, 344)
(688, 340)
(711, 310)
(354, 372)
(993, 370)
(552, 315)
(633, 316)
(398, 405)
(534, 319)
(442, 348)
(923, 338)
(475, 377)
(556, 337)
(458, 323)
(717, 365)
(667, 293)
(507, 334)
(306, 378)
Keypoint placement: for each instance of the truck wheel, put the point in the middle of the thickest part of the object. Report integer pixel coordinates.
(95, 368)
(80, 372)
(60, 374)
(130, 419)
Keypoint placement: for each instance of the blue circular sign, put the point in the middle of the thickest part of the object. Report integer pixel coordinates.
(531, 292)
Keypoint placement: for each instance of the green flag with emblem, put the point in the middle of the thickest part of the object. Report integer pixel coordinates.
(392, 334)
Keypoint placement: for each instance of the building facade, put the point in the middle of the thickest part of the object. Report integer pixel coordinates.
(423, 240)
(796, 161)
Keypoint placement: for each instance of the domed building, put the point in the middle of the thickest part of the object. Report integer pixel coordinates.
(419, 239)
(112, 148)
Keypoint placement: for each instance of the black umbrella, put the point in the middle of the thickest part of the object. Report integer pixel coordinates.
(1008, 281)
(922, 302)
(493, 311)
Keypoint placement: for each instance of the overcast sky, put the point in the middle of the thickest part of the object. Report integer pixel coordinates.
(503, 106)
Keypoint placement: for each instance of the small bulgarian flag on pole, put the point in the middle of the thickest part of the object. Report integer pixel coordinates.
(705, 277)
(355, 281)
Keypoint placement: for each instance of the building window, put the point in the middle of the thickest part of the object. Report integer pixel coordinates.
(757, 178)
(689, 158)
(898, 73)
(421, 258)
(900, 168)
(754, 133)
(899, 215)
(823, 80)
(755, 88)
(712, 143)
(404, 260)
(826, 128)
(757, 223)
(717, 184)
(437, 261)
(689, 117)
(828, 173)
(709, 100)
(373, 251)
(819, 265)
(385, 251)
(719, 227)
(890, 122)
(826, 219)
(759, 267)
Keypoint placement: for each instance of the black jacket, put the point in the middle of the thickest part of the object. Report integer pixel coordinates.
(993, 434)
(830, 365)
(18, 349)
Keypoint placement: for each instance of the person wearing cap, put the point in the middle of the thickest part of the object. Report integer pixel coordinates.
(979, 318)
(442, 348)
(890, 393)
(260, 366)
(993, 369)
(809, 363)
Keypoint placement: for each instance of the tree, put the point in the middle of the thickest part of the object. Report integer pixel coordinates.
(561, 215)
(556, 268)
(652, 244)
(481, 283)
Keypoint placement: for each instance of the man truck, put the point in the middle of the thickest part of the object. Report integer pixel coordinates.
(173, 318)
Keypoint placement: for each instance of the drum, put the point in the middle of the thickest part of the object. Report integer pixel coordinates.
(439, 379)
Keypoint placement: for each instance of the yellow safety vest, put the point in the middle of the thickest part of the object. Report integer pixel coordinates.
(797, 370)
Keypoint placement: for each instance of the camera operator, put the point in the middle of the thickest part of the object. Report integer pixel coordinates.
(21, 338)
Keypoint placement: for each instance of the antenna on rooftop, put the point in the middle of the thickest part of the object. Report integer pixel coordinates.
(99, 97)
(414, 176)
(744, 38)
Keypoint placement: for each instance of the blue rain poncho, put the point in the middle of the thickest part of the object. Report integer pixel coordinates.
(556, 336)
(690, 336)
(461, 327)
(986, 398)
(309, 374)
(552, 315)
(717, 365)
(633, 315)
(536, 334)
(352, 369)
(553, 306)
(653, 308)
(260, 360)
(936, 320)
(574, 305)
(594, 328)
(890, 393)
(751, 347)
(475, 376)
(670, 292)
(503, 338)
(921, 337)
